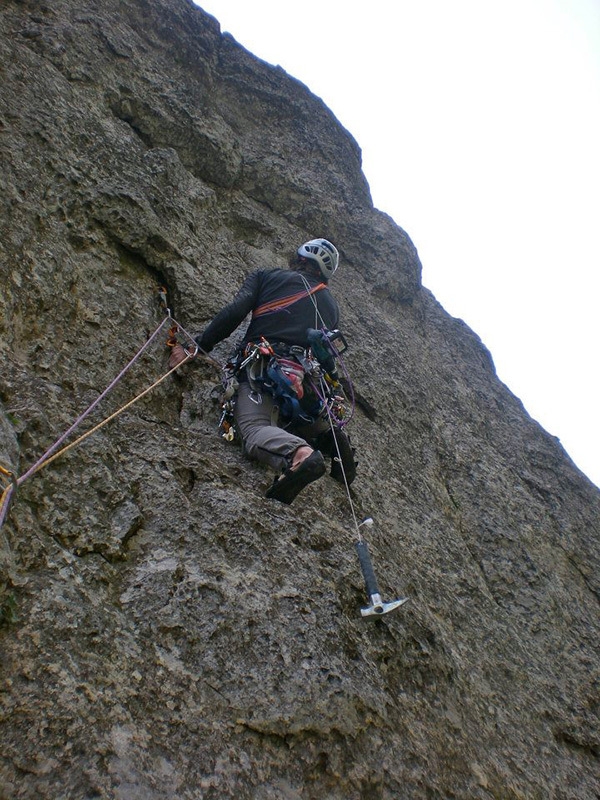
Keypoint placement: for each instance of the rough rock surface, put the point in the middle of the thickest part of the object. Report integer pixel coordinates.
(166, 631)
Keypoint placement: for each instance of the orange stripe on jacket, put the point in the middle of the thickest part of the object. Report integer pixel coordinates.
(285, 302)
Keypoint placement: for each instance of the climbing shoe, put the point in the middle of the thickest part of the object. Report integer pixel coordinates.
(290, 484)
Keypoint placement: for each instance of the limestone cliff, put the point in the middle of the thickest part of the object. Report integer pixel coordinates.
(166, 631)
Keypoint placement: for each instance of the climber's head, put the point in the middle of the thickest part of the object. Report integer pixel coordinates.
(321, 254)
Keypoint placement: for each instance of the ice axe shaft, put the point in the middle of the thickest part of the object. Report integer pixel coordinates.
(378, 606)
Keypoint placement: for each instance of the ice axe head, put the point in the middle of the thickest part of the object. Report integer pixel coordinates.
(378, 606)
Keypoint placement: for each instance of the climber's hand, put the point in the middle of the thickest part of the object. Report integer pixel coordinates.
(178, 356)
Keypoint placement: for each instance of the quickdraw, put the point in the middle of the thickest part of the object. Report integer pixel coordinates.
(172, 336)
(230, 386)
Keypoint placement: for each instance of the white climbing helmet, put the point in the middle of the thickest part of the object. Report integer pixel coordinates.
(323, 253)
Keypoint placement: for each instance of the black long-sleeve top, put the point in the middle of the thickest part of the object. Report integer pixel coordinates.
(283, 310)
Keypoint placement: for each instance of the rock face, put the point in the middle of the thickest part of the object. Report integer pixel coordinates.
(166, 631)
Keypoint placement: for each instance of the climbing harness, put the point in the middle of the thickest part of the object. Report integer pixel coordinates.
(301, 384)
(53, 452)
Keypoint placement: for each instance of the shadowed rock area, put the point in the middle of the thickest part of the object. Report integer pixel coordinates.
(168, 633)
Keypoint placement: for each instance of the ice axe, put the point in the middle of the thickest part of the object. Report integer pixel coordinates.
(378, 606)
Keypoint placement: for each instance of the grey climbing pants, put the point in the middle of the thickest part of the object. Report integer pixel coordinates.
(256, 420)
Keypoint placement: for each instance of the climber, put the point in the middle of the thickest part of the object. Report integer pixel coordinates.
(285, 305)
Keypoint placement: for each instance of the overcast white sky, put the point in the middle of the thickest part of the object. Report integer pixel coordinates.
(479, 123)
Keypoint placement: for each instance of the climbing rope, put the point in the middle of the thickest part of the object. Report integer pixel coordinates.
(7, 493)
(53, 452)
(333, 424)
